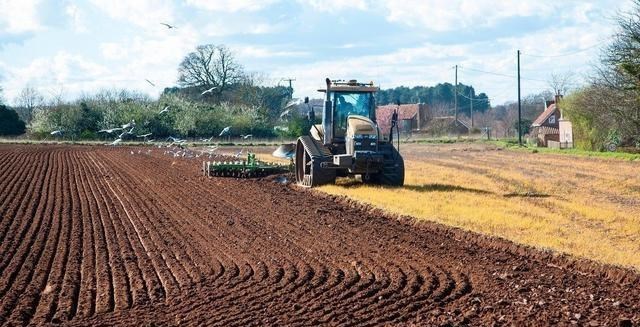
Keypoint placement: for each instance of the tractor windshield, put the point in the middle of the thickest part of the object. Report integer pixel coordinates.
(345, 104)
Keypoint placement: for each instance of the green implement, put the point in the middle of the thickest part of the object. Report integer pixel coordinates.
(249, 168)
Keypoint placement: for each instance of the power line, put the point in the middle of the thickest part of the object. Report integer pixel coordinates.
(564, 54)
(501, 74)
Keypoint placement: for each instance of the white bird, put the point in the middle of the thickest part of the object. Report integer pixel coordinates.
(225, 131)
(207, 140)
(116, 142)
(291, 103)
(129, 124)
(130, 132)
(110, 130)
(166, 109)
(246, 136)
(57, 132)
(150, 83)
(144, 135)
(285, 113)
(239, 153)
(209, 90)
(174, 139)
(150, 141)
(168, 25)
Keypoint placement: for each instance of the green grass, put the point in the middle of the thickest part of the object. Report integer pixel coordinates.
(513, 145)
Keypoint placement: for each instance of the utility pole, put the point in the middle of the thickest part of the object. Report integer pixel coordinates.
(519, 105)
(471, 102)
(455, 92)
(290, 84)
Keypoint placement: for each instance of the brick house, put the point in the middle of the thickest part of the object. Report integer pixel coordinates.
(547, 126)
(411, 117)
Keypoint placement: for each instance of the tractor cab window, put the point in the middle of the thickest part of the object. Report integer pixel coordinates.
(346, 104)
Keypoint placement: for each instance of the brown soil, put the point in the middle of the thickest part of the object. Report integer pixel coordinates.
(95, 235)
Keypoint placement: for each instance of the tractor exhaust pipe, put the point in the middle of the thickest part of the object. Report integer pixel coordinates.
(327, 116)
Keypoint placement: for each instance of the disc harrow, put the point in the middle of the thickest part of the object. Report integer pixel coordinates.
(249, 168)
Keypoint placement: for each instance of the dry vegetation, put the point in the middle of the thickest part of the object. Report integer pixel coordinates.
(588, 207)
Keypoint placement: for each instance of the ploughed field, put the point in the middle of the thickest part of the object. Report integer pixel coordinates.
(130, 236)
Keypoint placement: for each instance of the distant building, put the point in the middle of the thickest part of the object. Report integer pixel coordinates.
(446, 125)
(547, 126)
(411, 117)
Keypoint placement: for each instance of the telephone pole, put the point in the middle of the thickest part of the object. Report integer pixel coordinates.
(455, 91)
(290, 84)
(519, 105)
(471, 102)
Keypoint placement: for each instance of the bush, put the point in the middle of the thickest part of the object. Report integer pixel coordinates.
(10, 123)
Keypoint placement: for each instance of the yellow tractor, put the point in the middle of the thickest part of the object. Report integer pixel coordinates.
(348, 142)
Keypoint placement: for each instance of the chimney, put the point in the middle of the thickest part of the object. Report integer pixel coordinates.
(558, 98)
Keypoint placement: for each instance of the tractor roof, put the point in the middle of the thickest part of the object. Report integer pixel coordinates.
(351, 86)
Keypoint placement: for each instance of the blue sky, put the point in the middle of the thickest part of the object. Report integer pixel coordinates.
(70, 47)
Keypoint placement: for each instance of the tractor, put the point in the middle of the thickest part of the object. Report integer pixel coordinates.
(348, 142)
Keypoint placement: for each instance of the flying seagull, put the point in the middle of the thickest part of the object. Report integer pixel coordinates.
(129, 124)
(144, 135)
(209, 90)
(207, 140)
(130, 132)
(150, 83)
(246, 136)
(292, 103)
(110, 130)
(167, 25)
(56, 133)
(285, 113)
(166, 109)
(225, 131)
(116, 142)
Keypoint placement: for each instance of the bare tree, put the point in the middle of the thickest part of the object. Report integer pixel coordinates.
(210, 66)
(561, 82)
(27, 101)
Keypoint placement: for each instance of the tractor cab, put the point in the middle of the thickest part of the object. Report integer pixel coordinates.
(342, 101)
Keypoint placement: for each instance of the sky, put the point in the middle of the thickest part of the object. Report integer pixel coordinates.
(73, 47)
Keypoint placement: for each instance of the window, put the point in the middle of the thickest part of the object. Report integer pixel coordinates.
(346, 104)
(552, 119)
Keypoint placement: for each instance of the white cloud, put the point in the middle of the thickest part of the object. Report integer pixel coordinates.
(74, 72)
(439, 15)
(228, 27)
(231, 5)
(147, 14)
(247, 51)
(335, 5)
(19, 16)
(77, 18)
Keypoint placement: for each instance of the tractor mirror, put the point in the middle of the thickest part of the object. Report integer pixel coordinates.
(306, 100)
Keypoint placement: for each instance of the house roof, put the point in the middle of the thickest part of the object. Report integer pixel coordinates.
(383, 114)
(544, 115)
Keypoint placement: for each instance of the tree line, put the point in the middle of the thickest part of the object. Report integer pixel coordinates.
(441, 96)
(607, 110)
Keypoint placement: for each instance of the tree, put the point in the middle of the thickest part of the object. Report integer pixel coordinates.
(620, 71)
(27, 101)
(210, 66)
(10, 123)
(561, 82)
